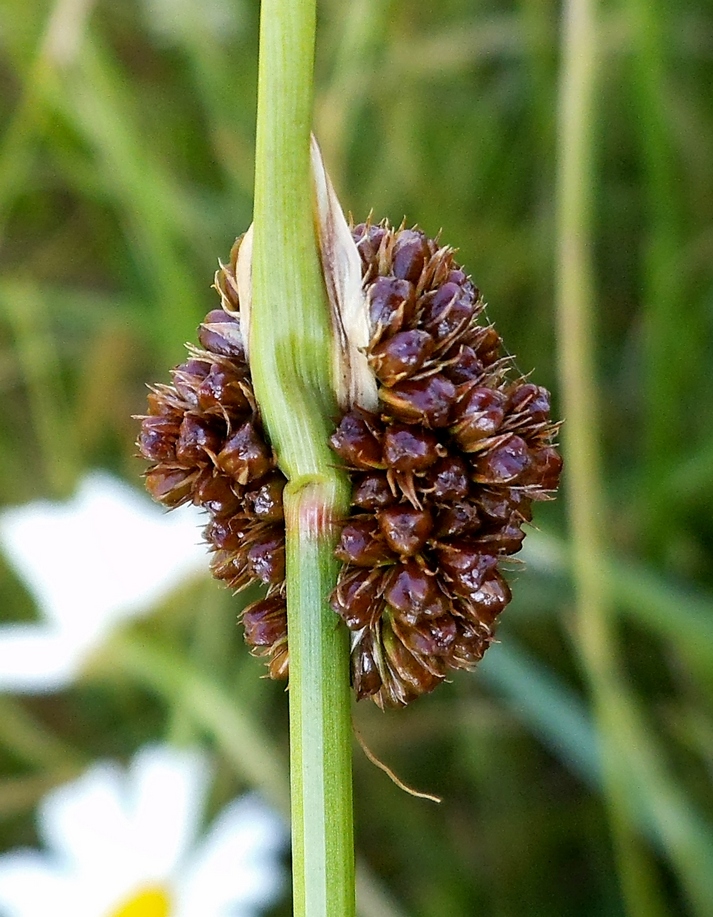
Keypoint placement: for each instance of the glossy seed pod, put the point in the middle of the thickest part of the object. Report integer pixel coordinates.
(446, 472)
(204, 436)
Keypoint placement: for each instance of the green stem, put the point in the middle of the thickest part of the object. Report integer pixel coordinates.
(595, 635)
(290, 356)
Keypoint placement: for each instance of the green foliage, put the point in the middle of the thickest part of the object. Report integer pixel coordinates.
(126, 169)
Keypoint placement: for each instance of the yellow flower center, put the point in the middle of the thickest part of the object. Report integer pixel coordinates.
(150, 902)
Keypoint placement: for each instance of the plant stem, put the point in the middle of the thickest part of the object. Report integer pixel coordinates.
(596, 639)
(290, 356)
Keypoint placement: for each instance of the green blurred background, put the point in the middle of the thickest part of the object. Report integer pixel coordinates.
(126, 165)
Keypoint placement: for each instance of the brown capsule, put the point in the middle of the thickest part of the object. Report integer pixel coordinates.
(355, 443)
(225, 390)
(450, 310)
(266, 558)
(373, 492)
(464, 565)
(265, 502)
(391, 303)
(220, 333)
(231, 568)
(458, 276)
(531, 400)
(198, 439)
(410, 254)
(164, 402)
(448, 479)
(407, 448)
(187, 378)
(456, 520)
(478, 416)
(504, 463)
(405, 528)
(497, 504)
(506, 538)
(265, 621)
(410, 588)
(157, 439)
(279, 663)
(428, 637)
(463, 366)
(469, 646)
(356, 598)
(246, 456)
(361, 544)
(487, 344)
(428, 401)
(229, 534)
(401, 356)
(366, 677)
(215, 492)
(368, 239)
(544, 469)
(170, 486)
(491, 597)
(410, 675)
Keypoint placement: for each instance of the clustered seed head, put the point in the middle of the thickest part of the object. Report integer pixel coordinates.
(444, 470)
(205, 437)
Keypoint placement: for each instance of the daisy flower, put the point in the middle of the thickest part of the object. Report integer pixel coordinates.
(128, 844)
(105, 556)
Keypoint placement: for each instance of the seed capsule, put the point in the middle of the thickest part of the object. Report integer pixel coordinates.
(391, 303)
(410, 588)
(373, 492)
(354, 442)
(449, 311)
(198, 440)
(409, 449)
(158, 436)
(266, 558)
(405, 528)
(400, 356)
(264, 502)
(357, 599)
(265, 621)
(220, 333)
(478, 416)
(217, 494)
(223, 390)
(361, 544)
(410, 254)
(503, 463)
(428, 401)
(246, 456)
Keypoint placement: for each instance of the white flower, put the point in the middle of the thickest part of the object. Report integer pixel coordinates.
(107, 555)
(128, 844)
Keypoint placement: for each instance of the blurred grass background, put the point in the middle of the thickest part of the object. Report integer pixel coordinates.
(576, 764)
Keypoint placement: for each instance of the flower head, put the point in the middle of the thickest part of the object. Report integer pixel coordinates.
(446, 443)
(129, 844)
(90, 563)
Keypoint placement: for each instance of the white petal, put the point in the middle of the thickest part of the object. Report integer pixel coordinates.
(31, 885)
(106, 555)
(85, 822)
(236, 869)
(36, 658)
(166, 796)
